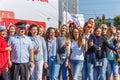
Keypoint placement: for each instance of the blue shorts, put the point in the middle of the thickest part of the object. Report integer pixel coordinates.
(119, 66)
(112, 68)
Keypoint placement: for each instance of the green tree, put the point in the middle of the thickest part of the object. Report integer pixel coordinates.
(100, 21)
(117, 21)
(103, 19)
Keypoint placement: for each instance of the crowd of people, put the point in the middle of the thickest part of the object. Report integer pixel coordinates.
(65, 53)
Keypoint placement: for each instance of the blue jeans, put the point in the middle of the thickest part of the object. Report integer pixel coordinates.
(100, 72)
(76, 68)
(112, 68)
(53, 68)
(64, 69)
(104, 69)
(84, 71)
(88, 69)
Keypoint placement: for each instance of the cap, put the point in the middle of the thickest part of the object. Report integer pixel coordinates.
(20, 24)
(2, 28)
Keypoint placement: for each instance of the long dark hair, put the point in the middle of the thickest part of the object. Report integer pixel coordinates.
(48, 32)
(31, 26)
(8, 31)
(79, 38)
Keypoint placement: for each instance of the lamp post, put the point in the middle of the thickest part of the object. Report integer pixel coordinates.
(48, 22)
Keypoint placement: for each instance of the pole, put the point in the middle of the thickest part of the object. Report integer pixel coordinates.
(66, 10)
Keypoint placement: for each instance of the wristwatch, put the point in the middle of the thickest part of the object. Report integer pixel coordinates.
(31, 61)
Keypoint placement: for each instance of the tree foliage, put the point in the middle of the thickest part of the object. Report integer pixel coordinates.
(117, 21)
(100, 21)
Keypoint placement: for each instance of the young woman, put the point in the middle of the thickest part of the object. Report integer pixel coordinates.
(89, 62)
(51, 42)
(40, 53)
(78, 47)
(92, 22)
(64, 50)
(41, 31)
(104, 30)
(11, 30)
(112, 69)
(4, 54)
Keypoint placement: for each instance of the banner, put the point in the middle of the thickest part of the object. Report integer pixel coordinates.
(8, 21)
(6, 14)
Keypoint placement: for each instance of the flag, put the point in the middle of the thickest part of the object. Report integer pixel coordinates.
(75, 19)
(68, 18)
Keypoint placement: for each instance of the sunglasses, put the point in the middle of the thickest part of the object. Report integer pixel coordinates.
(89, 26)
(117, 33)
(104, 28)
(22, 28)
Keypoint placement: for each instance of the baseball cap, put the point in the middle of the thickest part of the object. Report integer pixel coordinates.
(20, 24)
(2, 28)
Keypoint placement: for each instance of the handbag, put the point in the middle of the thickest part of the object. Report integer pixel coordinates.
(98, 63)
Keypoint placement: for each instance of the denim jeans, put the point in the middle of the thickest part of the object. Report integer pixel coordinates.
(84, 71)
(64, 69)
(87, 71)
(76, 68)
(53, 68)
(100, 72)
(36, 71)
(104, 69)
(112, 68)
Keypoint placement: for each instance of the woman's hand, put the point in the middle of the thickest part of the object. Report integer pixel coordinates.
(37, 50)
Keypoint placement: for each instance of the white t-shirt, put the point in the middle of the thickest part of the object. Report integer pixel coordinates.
(77, 52)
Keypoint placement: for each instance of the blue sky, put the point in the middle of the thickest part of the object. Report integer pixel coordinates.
(94, 8)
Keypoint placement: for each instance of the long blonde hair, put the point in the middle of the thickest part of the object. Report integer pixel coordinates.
(109, 32)
(67, 30)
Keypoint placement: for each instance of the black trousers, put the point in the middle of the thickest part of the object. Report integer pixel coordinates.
(4, 76)
(20, 69)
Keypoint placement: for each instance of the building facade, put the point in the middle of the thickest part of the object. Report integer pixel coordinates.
(73, 6)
